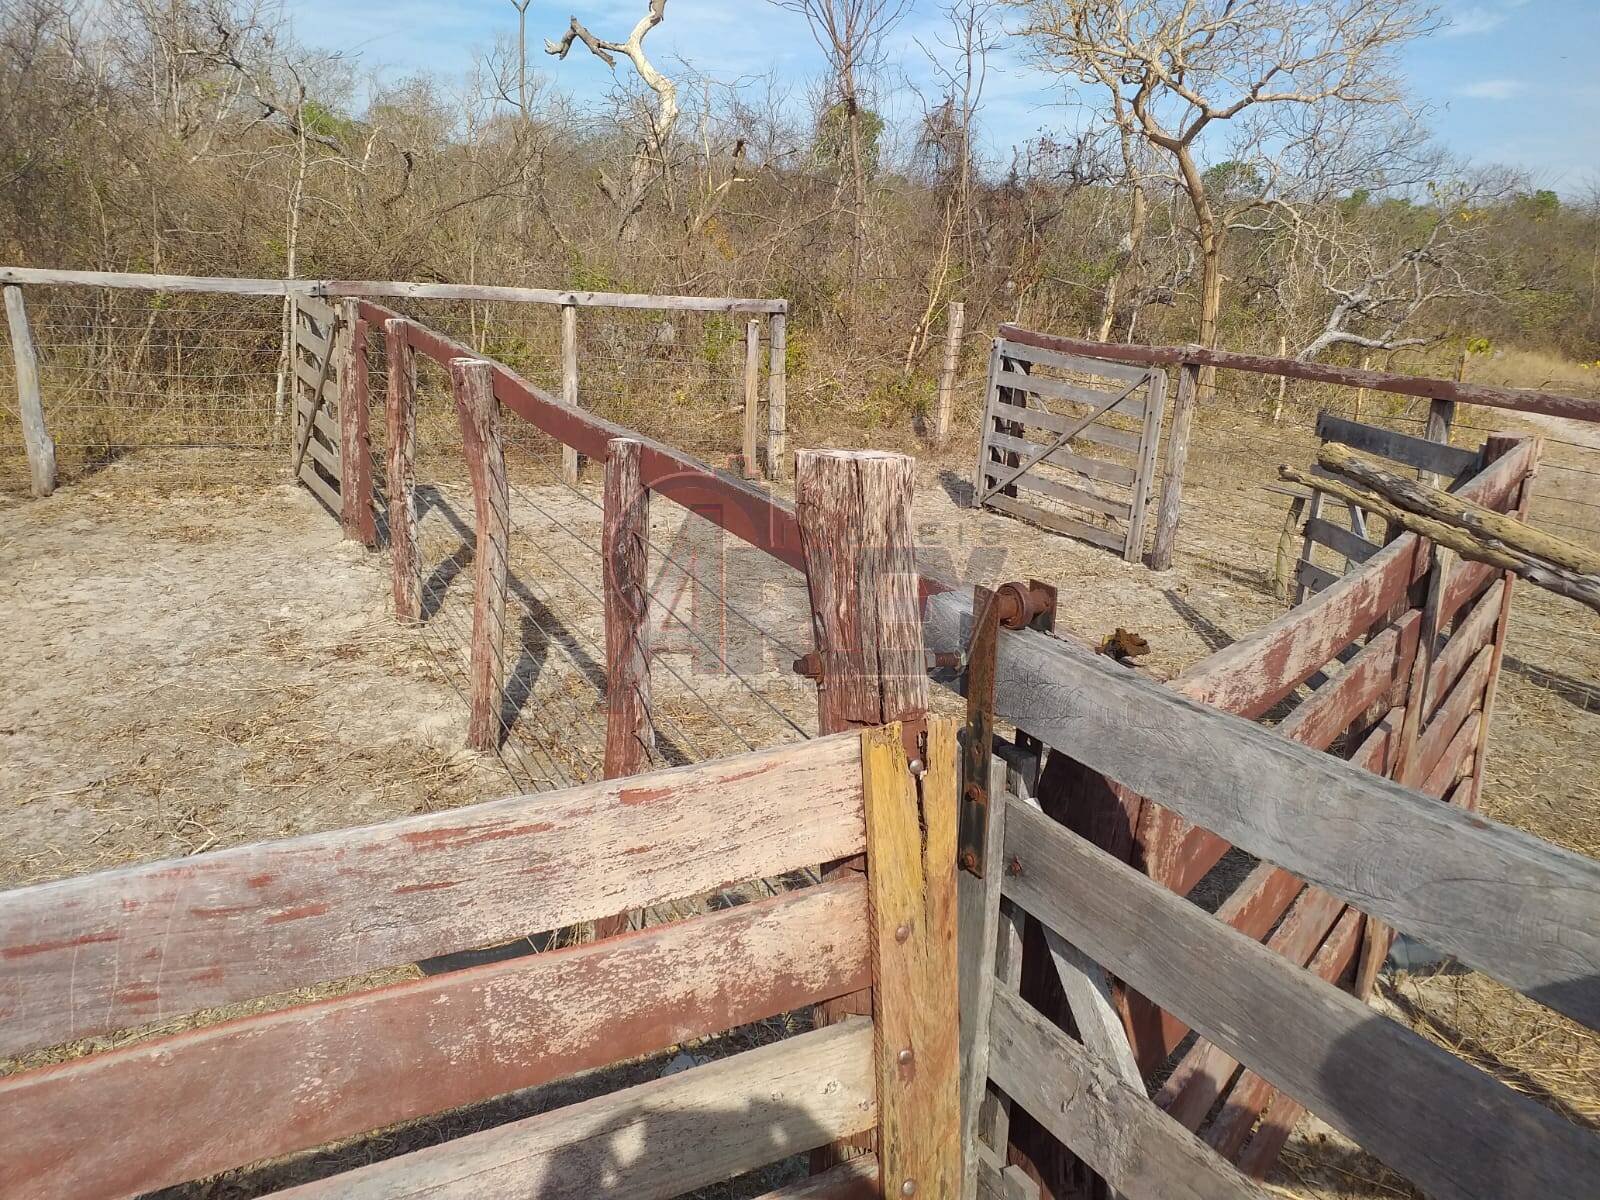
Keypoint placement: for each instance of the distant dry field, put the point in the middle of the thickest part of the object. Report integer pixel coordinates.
(194, 659)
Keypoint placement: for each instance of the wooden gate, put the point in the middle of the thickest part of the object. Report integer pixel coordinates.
(1078, 436)
(316, 377)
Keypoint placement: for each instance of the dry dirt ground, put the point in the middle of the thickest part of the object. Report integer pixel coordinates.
(192, 664)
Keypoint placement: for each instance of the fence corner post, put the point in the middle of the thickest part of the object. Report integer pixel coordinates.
(356, 515)
(954, 325)
(401, 413)
(473, 383)
(750, 468)
(569, 385)
(777, 394)
(1177, 456)
(36, 440)
(854, 514)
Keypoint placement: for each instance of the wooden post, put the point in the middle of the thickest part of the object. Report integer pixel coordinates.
(1442, 414)
(1177, 455)
(752, 396)
(405, 560)
(854, 513)
(355, 446)
(625, 559)
(1361, 392)
(479, 413)
(36, 440)
(777, 394)
(911, 856)
(1283, 380)
(1495, 446)
(955, 323)
(569, 384)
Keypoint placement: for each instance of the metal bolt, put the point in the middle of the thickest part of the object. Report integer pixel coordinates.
(902, 933)
(918, 767)
(969, 860)
(908, 1188)
(905, 1057)
(1014, 867)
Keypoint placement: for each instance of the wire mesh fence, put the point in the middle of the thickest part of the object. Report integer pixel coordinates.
(122, 370)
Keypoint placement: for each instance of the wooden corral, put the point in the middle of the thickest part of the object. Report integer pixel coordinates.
(97, 953)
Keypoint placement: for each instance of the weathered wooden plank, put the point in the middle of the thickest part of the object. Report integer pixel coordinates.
(911, 857)
(1463, 700)
(1032, 481)
(1312, 577)
(1004, 1183)
(1111, 539)
(752, 397)
(978, 934)
(1099, 1117)
(157, 283)
(316, 310)
(1380, 668)
(1093, 468)
(479, 415)
(378, 289)
(1130, 406)
(319, 487)
(1450, 1128)
(262, 1086)
(777, 395)
(400, 412)
(1430, 870)
(569, 387)
(1043, 418)
(125, 947)
(1149, 447)
(37, 443)
(1470, 635)
(652, 1141)
(1338, 538)
(325, 456)
(1084, 364)
(1171, 509)
(1439, 458)
(625, 561)
(1455, 758)
(355, 446)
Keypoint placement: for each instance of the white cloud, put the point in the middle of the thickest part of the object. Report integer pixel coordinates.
(1492, 89)
(1481, 18)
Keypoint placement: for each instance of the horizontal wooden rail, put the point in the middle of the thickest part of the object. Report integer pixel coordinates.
(189, 1106)
(740, 508)
(653, 1141)
(472, 291)
(1514, 907)
(1552, 404)
(120, 948)
(225, 285)
(1450, 1128)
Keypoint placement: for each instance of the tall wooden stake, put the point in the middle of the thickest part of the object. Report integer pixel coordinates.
(355, 446)
(947, 376)
(479, 413)
(569, 384)
(1283, 380)
(777, 394)
(1177, 455)
(401, 411)
(854, 513)
(752, 396)
(36, 439)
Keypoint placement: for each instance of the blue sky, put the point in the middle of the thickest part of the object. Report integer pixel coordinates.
(1510, 81)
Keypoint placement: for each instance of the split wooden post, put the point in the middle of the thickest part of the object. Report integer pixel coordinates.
(36, 439)
(750, 468)
(911, 857)
(401, 411)
(777, 393)
(955, 323)
(479, 413)
(356, 516)
(569, 384)
(1361, 392)
(1442, 413)
(854, 513)
(1177, 455)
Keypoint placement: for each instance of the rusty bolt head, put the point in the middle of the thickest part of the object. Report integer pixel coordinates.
(902, 933)
(969, 860)
(1014, 867)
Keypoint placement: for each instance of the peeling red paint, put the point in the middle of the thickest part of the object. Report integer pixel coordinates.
(456, 836)
(296, 914)
(261, 880)
(137, 996)
(87, 939)
(406, 889)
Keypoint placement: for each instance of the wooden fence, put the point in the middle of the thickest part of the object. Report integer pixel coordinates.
(1192, 362)
(89, 955)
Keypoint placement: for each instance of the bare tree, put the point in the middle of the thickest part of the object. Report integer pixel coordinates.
(851, 35)
(651, 155)
(1183, 68)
